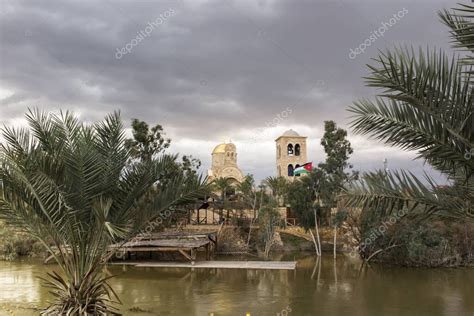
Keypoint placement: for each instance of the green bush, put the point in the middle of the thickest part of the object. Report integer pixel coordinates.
(431, 244)
(14, 244)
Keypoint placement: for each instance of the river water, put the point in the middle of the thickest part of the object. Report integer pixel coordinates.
(316, 287)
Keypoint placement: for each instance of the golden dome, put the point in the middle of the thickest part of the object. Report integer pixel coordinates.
(224, 147)
(220, 149)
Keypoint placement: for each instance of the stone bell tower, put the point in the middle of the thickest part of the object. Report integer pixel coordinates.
(290, 153)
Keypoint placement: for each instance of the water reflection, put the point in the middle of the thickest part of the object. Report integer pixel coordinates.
(319, 286)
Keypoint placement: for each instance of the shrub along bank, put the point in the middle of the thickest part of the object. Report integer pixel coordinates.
(435, 243)
(14, 244)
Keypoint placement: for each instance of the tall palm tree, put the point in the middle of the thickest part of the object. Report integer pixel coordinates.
(69, 186)
(426, 105)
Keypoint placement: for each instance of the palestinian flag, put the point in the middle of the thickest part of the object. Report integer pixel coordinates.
(304, 169)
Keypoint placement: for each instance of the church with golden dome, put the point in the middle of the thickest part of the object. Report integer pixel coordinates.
(224, 163)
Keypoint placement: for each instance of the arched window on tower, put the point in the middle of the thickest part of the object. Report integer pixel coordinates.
(290, 150)
(290, 170)
(297, 149)
(296, 166)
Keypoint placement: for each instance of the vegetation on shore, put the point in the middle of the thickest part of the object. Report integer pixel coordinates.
(14, 244)
(431, 243)
(426, 105)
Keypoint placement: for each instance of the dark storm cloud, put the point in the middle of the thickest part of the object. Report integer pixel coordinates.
(211, 68)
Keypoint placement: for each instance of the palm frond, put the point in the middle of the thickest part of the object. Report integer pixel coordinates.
(392, 191)
(429, 82)
(401, 125)
(461, 23)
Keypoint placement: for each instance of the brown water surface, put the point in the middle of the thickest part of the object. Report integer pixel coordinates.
(314, 288)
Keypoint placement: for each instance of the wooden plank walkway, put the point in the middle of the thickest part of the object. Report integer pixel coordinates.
(180, 235)
(259, 265)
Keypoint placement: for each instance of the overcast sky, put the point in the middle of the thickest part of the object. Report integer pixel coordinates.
(209, 71)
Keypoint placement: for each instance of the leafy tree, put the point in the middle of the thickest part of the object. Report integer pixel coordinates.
(269, 220)
(337, 149)
(426, 106)
(335, 169)
(146, 142)
(304, 196)
(301, 196)
(323, 184)
(189, 164)
(313, 196)
(70, 186)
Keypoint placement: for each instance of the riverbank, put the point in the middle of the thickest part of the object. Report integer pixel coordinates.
(14, 244)
(425, 245)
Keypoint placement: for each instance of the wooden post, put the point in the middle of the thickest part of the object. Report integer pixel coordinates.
(215, 245)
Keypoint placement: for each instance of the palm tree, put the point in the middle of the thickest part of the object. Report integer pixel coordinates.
(249, 193)
(426, 106)
(278, 185)
(223, 186)
(69, 186)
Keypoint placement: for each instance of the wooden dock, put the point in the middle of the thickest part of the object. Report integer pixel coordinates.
(186, 243)
(256, 265)
(188, 248)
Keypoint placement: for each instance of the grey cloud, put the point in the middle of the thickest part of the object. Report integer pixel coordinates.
(213, 68)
